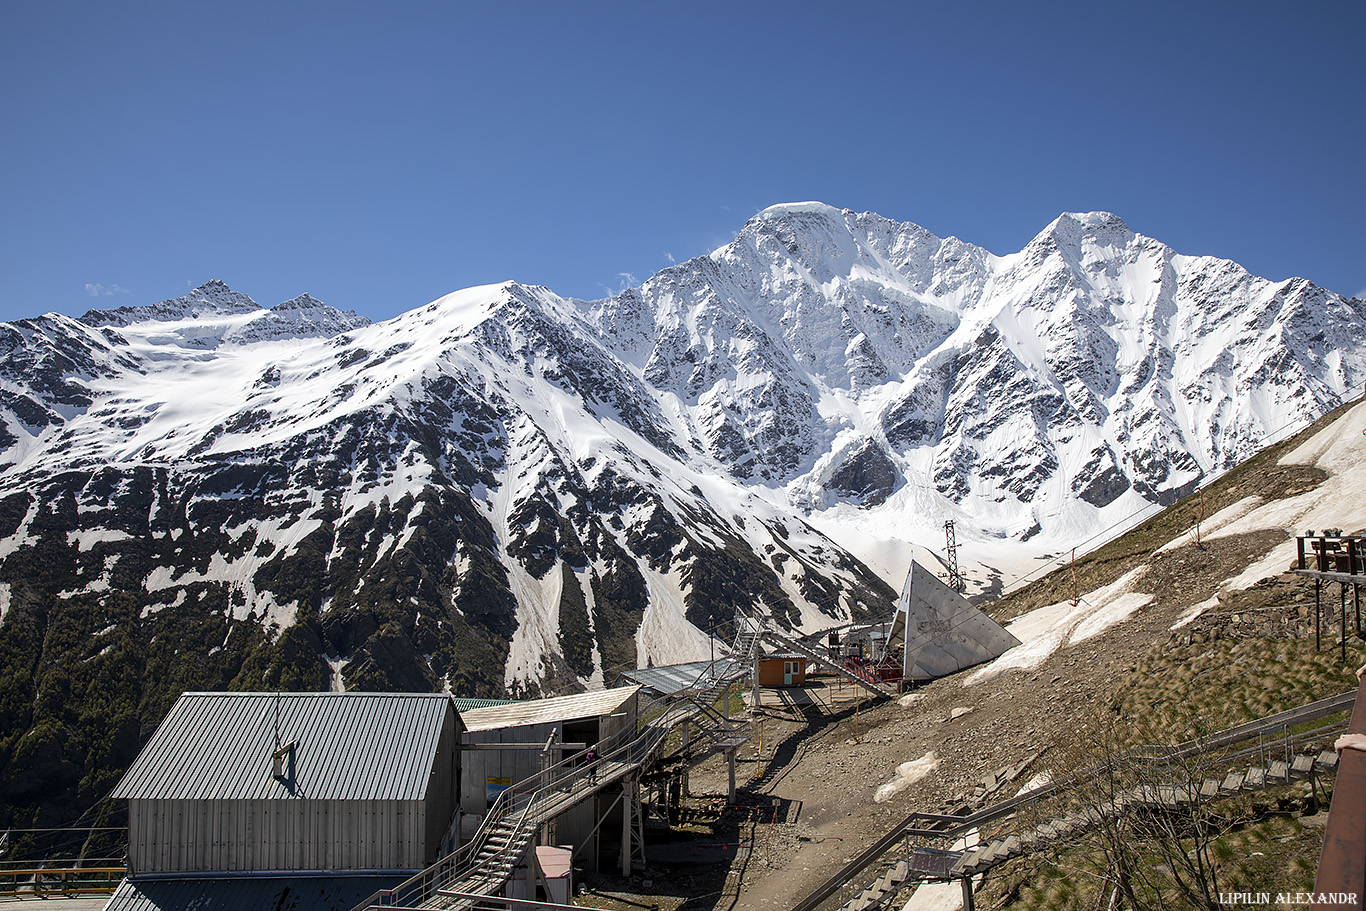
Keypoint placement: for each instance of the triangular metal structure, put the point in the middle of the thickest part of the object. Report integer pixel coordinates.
(939, 632)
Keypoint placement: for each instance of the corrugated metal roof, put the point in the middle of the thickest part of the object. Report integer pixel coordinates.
(465, 704)
(238, 893)
(668, 679)
(351, 746)
(545, 711)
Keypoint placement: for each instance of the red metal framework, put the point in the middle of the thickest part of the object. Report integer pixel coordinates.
(873, 670)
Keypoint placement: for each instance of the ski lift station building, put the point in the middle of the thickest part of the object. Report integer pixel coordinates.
(507, 743)
(352, 781)
(246, 799)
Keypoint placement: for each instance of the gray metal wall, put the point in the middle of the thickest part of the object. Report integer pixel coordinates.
(443, 788)
(477, 766)
(166, 836)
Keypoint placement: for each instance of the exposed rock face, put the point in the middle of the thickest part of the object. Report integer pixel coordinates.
(1074, 382)
(508, 492)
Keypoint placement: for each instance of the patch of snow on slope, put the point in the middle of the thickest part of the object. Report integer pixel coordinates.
(907, 774)
(21, 537)
(1195, 610)
(665, 636)
(84, 540)
(337, 685)
(538, 622)
(274, 617)
(1212, 525)
(1045, 630)
(1339, 502)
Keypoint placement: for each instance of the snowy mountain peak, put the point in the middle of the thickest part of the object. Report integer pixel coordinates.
(505, 489)
(786, 209)
(304, 301)
(213, 298)
(1074, 229)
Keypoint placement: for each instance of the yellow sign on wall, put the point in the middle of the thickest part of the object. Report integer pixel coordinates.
(494, 787)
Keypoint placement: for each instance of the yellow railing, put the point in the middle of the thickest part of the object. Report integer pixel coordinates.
(60, 880)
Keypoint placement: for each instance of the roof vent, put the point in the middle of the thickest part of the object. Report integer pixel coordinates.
(283, 759)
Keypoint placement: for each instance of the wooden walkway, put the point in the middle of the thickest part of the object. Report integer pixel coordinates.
(923, 863)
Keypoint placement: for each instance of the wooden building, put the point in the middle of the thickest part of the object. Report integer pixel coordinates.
(782, 670)
(235, 784)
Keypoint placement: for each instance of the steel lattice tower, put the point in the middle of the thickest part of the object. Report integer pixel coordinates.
(955, 576)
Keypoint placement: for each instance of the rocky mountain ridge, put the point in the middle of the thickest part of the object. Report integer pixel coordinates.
(506, 491)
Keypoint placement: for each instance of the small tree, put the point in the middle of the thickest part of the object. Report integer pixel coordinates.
(1150, 826)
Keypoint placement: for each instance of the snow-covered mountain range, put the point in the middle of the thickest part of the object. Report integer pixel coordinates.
(506, 490)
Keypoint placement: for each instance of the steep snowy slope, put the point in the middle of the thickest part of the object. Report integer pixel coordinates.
(507, 491)
(839, 360)
(474, 480)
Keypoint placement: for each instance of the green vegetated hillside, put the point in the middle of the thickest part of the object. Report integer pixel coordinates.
(1251, 656)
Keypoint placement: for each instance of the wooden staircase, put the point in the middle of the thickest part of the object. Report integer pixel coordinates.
(1074, 825)
(1272, 734)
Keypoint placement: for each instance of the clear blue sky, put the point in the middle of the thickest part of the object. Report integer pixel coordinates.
(379, 155)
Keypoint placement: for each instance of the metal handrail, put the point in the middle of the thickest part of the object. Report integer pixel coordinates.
(951, 826)
(1236, 734)
(60, 880)
(630, 747)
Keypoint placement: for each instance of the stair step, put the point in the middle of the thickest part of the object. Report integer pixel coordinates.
(1256, 778)
(1279, 771)
(1233, 783)
(862, 902)
(971, 860)
(1302, 766)
(996, 852)
(1327, 760)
